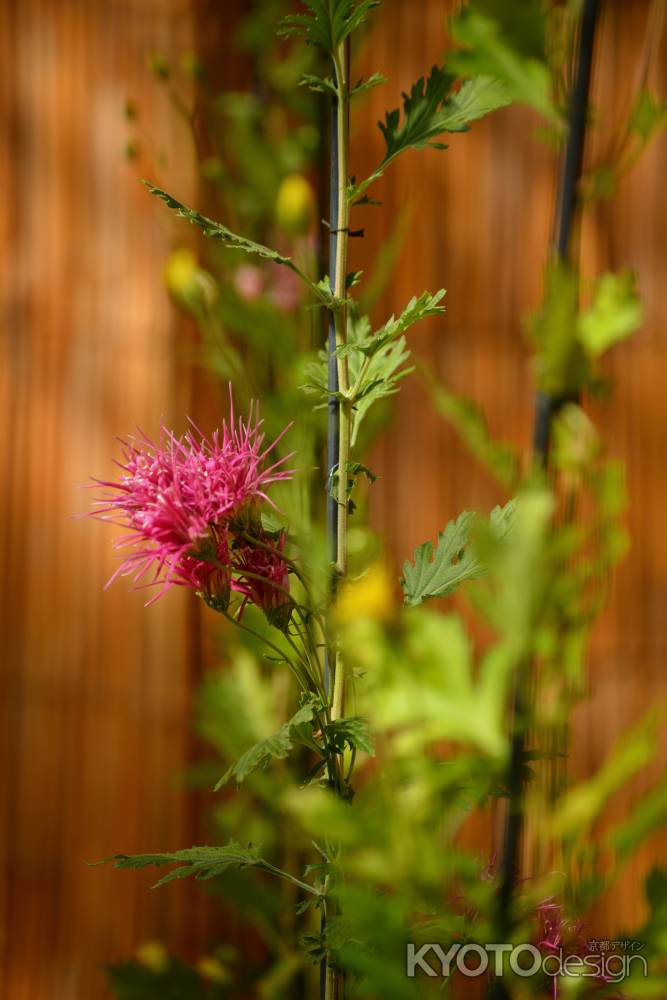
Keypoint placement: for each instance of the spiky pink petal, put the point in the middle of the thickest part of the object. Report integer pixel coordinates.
(178, 499)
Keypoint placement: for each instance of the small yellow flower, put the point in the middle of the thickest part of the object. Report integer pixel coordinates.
(369, 596)
(153, 955)
(295, 204)
(212, 968)
(185, 279)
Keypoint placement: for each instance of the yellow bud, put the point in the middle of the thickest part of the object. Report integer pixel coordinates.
(153, 955)
(369, 596)
(295, 205)
(212, 968)
(185, 279)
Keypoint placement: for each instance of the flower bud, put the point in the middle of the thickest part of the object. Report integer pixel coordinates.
(211, 968)
(295, 205)
(153, 955)
(264, 576)
(186, 280)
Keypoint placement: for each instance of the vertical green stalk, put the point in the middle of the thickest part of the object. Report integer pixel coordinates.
(334, 984)
(341, 68)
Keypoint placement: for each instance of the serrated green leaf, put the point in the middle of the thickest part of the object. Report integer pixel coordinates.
(376, 360)
(316, 378)
(473, 100)
(276, 747)
(375, 377)
(439, 572)
(431, 109)
(383, 373)
(324, 292)
(319, 84)
(417, 309)
(218, 231)
(376, 80)
(354, 471)
(353, 732)
(206, 863)
(422, 114)
(199, 862)
(327, 23)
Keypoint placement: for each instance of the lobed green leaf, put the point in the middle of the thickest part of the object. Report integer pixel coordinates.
(199, 862)
(417, 309)
(353, 732)
(383, 373)
(439, 572)
(218, 231)
(327, 23)
(375, 80)
(276, 747)
(430, 109)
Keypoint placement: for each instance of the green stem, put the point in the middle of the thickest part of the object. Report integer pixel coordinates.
(341, 66)
(334, 982)
(304, 683)
(303, 659)
(288, 878)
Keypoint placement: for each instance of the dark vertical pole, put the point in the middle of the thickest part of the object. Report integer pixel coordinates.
(574, 153)
(545, 407)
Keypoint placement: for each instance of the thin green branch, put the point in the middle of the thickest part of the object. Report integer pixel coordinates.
(282, 654)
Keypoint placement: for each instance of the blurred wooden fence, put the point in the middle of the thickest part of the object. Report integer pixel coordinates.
(95, 706)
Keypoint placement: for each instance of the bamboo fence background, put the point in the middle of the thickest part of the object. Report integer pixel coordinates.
(95, 706)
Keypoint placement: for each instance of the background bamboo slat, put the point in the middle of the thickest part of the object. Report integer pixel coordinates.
(96, 691)
(96, 703)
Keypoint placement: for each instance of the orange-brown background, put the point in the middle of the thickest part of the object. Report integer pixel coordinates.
(95, 708)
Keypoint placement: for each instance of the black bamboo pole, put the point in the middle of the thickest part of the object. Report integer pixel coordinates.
(545, 408)
(567, 203)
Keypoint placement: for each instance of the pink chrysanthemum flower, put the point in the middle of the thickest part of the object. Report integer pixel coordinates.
(181, 498)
